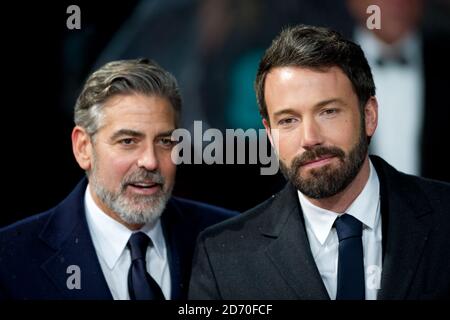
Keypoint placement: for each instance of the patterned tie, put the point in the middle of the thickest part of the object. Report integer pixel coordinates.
(141, 285)
(350, 282)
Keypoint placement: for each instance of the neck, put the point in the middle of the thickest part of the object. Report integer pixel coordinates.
(342, 200)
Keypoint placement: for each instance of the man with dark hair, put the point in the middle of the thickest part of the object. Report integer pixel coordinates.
(346, 226)
(119, 234)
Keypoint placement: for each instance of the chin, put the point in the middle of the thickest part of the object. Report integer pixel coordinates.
(141, 218)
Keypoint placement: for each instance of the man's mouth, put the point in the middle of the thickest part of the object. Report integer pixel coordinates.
(145, 188)
(317, 162)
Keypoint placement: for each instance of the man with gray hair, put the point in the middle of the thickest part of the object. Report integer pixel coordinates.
(119, 234)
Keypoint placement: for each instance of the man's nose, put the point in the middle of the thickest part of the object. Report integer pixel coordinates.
(311, 134)
(148, 159)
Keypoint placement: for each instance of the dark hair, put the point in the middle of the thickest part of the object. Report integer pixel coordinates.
(316, 48)
(123, 77)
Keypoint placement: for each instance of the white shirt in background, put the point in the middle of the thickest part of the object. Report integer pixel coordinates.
(400, 94)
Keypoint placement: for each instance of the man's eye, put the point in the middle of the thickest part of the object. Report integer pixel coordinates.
(286, 121)
(167, 142)
(329, 112)
(127, 141)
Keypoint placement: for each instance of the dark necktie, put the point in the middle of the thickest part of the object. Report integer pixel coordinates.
(350, 277)
(141, 285)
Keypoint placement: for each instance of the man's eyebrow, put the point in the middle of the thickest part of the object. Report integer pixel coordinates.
(329, 101)
(317, 105)
(283, 111)
(126, 132)
(165, 133)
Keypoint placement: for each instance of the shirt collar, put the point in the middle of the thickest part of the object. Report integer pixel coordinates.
(364, 208)
(111, 237)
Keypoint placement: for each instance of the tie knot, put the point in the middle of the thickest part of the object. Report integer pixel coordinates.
(348, 227)
(138, 244)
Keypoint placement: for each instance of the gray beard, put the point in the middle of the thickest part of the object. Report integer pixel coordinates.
(135, 209)
(138, 209)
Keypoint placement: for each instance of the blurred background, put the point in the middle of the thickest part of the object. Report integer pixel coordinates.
(213, 48)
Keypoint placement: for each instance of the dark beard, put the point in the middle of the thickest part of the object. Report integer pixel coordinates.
(327, 181)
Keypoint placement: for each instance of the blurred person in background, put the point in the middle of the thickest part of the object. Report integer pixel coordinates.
(410, 65)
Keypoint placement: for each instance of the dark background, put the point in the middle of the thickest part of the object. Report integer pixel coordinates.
(44, 65)
(40, 56)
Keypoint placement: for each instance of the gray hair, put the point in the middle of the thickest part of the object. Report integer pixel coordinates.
(142, 76)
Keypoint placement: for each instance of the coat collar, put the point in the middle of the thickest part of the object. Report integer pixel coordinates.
(67, 233)
(178, 235)
(406, 225)
(289, 250)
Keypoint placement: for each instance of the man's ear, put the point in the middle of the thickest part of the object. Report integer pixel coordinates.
(268, 130)
(82, 148)
(371, 116)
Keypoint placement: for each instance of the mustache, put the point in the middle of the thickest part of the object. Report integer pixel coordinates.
(143, 176)
(317, 152)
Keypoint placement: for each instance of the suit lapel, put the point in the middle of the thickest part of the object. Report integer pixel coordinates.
(180, 242)
(406, 224)
(406, 221)
(289, 250)
(68, 234)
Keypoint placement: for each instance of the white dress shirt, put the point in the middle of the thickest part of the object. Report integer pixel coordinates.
(400, 94)
(110, 241)
(324, 241)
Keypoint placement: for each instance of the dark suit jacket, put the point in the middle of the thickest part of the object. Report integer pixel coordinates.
(265, 253)
(36, 252)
